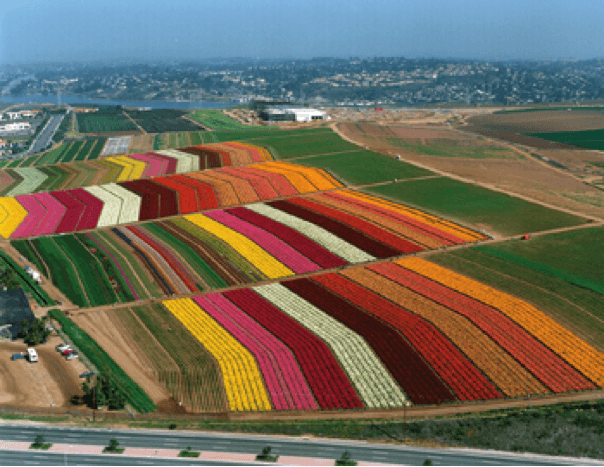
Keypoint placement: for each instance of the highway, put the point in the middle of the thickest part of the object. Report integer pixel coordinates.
(57, 458)
(284, 446)
(47, 133)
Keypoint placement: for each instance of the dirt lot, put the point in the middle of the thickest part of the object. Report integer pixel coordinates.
(511, 126)
(49, 382)
(525, 176)
(126, 354)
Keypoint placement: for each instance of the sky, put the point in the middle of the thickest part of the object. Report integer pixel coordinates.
(87, 30)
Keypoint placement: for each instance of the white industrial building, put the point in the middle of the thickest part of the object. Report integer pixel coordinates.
(17, 126)
(292, 114)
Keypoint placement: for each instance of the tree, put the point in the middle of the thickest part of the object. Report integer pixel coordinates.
(34, 332)
(105, 390)
(9, 279)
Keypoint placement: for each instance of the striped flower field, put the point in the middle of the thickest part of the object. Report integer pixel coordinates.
(124, 202)
(379, 335)
(40, 176)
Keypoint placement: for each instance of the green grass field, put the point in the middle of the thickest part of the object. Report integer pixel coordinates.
(365, 167)
(253, 135)
(579, 309)
(452, 148)
(216, 120)
(133, 393)
(574, 256)
(25, 248)
(292, 146)
(477, 206)
(588, 139)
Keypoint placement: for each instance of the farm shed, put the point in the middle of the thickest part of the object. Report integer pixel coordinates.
(280, 114)
(14, 309)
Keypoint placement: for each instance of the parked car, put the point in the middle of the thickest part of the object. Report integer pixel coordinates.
(67, 351)
(32, 355)
(62, 347)
(17, 356)
(86, 374)
(72, 356)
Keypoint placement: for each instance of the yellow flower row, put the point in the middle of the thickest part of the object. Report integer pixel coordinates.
(319, 178)
(132, 168)
(242, 379)
(445, 226)
(11, 215)
(258, 257)
(574, 350)
(298, 181)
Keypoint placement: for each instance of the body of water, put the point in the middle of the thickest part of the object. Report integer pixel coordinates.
(71, 99)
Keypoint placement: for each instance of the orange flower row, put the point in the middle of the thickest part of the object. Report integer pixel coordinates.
(511, 377)
(574, 350)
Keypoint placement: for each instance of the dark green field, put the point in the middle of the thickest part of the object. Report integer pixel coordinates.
(365, 167)
(105, 122)
(478, 206)
(588, 139)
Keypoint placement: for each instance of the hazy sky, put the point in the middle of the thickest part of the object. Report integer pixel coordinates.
(65, 30)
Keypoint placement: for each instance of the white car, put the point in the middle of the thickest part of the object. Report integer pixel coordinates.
(72, 356)
(62, 347)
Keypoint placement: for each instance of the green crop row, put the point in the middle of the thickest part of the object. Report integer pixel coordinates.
(30, 285)
(133, 393)
(93, 277)
(193, 259)
(62, 271)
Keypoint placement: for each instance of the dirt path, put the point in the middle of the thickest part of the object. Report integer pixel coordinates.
(392, 152)
(134, 122)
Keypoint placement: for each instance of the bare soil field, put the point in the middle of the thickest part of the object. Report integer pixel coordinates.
(524, 175)
(512, 126)
(51, 382)
(141, 144)
(125, 352)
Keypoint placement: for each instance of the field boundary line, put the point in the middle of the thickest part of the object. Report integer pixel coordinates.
(391, 152)
(134, 122)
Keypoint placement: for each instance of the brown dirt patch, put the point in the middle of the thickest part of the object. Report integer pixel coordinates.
(415, 133)
(511, 127)
(126, 353)
(524, 176)
(52, 380)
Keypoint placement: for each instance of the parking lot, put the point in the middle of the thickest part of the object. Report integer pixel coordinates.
(52, 381)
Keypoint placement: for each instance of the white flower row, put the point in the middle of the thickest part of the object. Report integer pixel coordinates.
(131, 203)
(366, 371)
(32, 179)
(186, 162)
(336, 245)
(112, 205)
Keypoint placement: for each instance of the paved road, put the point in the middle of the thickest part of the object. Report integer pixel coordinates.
(329, 449)
(46, 134)
(57, 458)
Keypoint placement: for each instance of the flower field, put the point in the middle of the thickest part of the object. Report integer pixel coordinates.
(376, 336)
(124, 202)
(32, 177)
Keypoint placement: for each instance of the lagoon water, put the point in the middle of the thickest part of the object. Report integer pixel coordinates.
(72, 99)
